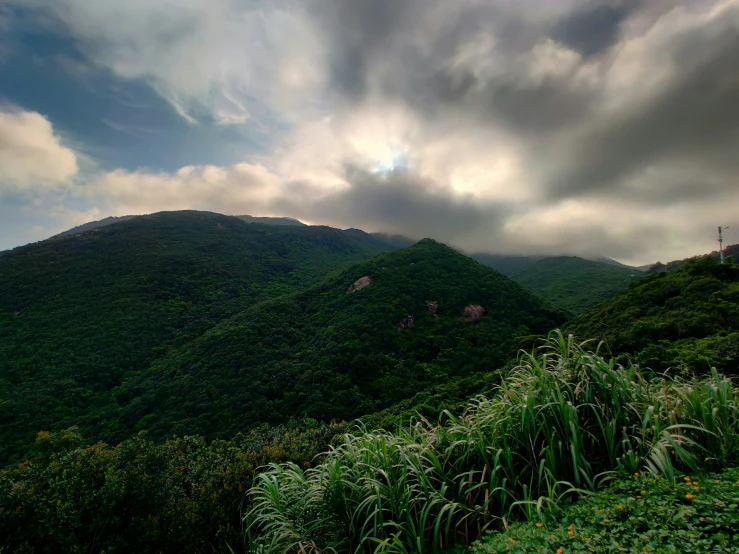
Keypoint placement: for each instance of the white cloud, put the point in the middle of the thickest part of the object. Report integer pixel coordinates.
(221, 58)
(533, 142)
(32, 157)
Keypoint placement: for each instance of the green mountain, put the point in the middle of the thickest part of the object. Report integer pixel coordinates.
(732, 250)
(111, 220)
(397, 241)
(567, 282)
(94, 225)
(685, 318)
(575, 284)
(79, 313)
(272, 220)
(359, 342)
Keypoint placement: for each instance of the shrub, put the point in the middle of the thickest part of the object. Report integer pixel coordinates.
(643, 513)
(564, 421)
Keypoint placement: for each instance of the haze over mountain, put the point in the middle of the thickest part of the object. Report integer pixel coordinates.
(589, 128)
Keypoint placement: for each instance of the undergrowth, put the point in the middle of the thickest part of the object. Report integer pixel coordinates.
(643, 513)
(564, 422)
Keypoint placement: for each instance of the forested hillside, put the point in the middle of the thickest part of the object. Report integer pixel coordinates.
(78, 313)
(567, 282)
(683, 319)
(376, 334)
(575, 284)
(405, 333)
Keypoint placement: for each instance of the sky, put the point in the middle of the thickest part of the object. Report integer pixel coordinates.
(587, 127)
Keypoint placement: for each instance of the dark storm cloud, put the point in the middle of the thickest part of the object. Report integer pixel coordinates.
(695, 119)
(399, 202)
(595, 27)
(408, 52)
(360, 31)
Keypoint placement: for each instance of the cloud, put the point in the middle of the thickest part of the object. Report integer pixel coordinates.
(596, 26)
(604, 127)
(229, 61)
(32, 157)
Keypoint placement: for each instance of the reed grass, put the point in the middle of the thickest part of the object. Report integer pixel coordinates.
(564, 421)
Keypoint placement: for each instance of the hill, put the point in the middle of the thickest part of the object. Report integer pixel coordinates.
(575, 284)
(685, 318)
(111, 220)
(732, 250)
(397, 241)
(567, 282)
(94, 225)
(377, 333)
(272, 220)
(79, 313)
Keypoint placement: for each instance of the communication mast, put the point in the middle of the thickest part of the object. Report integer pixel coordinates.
(721, 243)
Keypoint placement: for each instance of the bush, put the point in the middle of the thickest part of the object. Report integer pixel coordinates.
(182, 495)
(643, 513)
(561, 423)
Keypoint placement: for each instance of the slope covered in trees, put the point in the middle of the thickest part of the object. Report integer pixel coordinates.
(567, 282)
(426, 315)
(687, 318)
(575, 284)
(78, 313)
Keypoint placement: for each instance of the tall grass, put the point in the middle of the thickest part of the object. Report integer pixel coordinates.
(565, 420)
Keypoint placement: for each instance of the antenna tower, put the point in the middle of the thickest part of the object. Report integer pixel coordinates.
(721, 243)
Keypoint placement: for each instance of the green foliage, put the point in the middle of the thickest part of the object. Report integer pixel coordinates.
(78, 314)
(643, 513)
(326, 353)
(567, 282)
(575, 284)
(182, 495)
(685, 319)
(563, 421)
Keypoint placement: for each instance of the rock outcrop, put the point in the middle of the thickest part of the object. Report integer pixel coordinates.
(473, 312)
(405, 323)
(359, 284)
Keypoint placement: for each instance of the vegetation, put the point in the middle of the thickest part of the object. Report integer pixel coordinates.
(177, 496)
(682, 320)
(562, 422)
(729, 251)
(567, 282)
(640, 513)
(80, 313)
(327, 353)
(575, 284)
(215, 353)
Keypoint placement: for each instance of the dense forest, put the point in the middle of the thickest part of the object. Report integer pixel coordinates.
(79, 313)
(567, 282)
(191, 382)
(426, 315)
(686, 319)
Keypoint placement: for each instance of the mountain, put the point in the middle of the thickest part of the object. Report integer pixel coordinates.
(684, 318)
(575, 284)
(732, 250)
(111, 220)
(373, 335)
(94, 225)
(397, 241)
(507, 265)
(272, 220)
(79, 313)
(567, 282)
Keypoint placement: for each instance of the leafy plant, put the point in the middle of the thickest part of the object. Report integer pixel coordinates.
(564, 421)
(640, 513)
